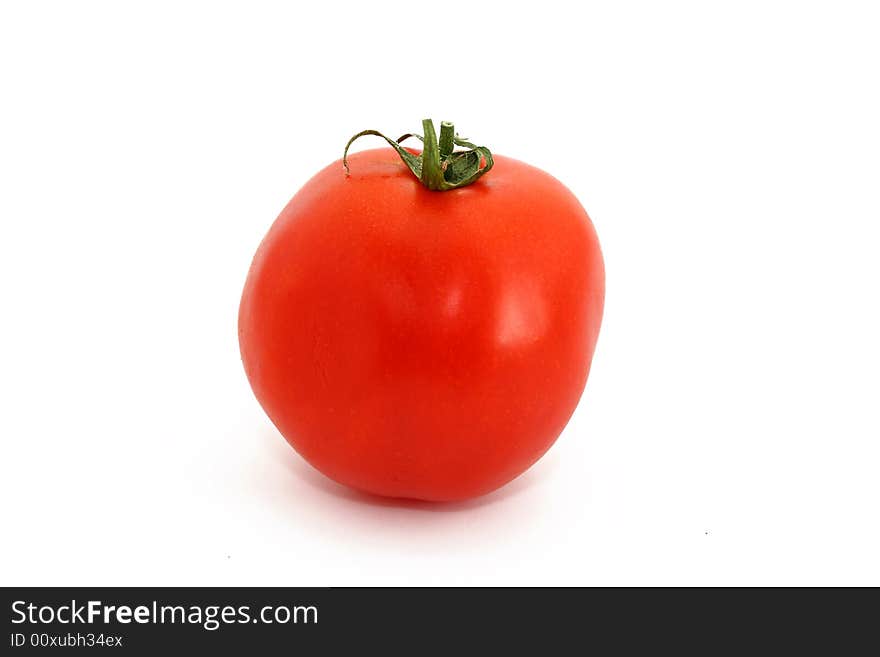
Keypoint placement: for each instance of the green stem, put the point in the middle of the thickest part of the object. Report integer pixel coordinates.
(439, 167)
(447, 135)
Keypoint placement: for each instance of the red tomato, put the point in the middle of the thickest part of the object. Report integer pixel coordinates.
(423, 344)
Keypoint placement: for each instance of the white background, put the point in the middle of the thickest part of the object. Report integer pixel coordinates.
(729, 154)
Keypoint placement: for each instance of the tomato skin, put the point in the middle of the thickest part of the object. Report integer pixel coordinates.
(422, 344)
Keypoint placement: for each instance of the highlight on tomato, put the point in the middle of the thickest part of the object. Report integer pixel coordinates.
(421, 324)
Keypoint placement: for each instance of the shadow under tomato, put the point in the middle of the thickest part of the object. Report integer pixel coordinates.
(302, 498)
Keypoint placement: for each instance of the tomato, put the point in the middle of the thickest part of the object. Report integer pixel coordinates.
(417, 343)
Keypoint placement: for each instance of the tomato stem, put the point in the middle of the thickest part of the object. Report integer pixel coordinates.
(439, 167)
(447, 135)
